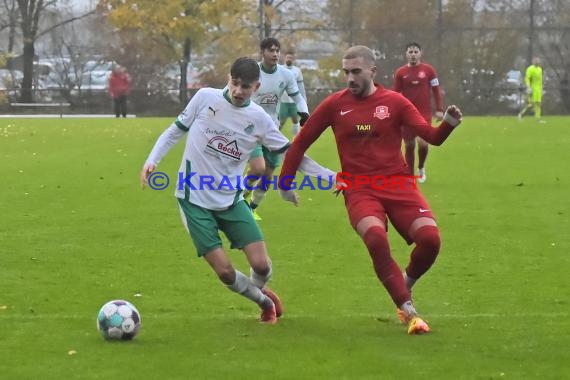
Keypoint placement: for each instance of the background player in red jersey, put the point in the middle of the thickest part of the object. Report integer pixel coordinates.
(366, 120)
(417, 81)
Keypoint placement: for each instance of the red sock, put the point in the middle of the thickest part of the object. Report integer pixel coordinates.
(424, 254)
(385, 267)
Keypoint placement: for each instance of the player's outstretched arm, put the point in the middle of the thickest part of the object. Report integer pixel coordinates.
(432, 135)
(312, 168)
(167, 140)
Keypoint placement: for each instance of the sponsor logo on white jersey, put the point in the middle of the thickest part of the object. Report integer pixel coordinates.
(267, 99)
(222, 147)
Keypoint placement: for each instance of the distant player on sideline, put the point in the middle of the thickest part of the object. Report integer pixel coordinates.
(288, 108)
(533, 81)
(275, 81)
(417, 81)
(223, 128)
(366, 120)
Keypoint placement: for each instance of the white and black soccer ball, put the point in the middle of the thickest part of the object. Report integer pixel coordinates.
(118, 320)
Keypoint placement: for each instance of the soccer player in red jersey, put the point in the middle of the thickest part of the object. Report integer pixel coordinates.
(366, 120)
(417, 81)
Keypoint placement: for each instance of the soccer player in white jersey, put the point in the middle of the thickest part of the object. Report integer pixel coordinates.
(223, 127)
(288, 108)
(275, 81)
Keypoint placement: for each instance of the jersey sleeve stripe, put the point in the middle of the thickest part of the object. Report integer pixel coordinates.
(293, 94)
(181, 126)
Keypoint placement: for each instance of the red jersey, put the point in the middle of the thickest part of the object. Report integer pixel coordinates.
(119, 84)
(417, 83)
(367, 130)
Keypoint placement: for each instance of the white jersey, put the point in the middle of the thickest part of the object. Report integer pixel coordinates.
(300, 83)
(220, 140)
(273, 85)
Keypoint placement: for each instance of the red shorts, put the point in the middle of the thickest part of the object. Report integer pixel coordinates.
(408, 133)
(401, 206)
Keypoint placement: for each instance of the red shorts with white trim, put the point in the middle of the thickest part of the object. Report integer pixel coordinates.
(401, 206)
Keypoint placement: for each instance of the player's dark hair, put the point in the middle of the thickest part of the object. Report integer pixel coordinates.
(246, 69)
(266, 43)
(413, 44)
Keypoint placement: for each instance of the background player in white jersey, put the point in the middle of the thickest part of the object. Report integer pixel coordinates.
(223, 128)
(275, 81)
(288, 108)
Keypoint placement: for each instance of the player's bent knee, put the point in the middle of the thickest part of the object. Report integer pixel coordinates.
(420, 223)
(261, 273)
(257, 257)
(262, 269)
(428, 237)
(256, 166)
(256, 171)
(227, 275)
(375, 238)
(367, 223)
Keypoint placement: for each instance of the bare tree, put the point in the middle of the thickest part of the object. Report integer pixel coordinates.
(31, 12)
(9, 20)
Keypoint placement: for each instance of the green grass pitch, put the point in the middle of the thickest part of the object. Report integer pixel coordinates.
(76, 231)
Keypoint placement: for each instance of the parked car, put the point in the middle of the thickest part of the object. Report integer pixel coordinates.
(94, 81)
(98, 65)
(193, 75)
(166, 81)
(514, 100)
(514, 77)
(512, 90)
(92, 87)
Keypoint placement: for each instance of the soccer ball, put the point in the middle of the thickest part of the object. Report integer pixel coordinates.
(119, 320)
